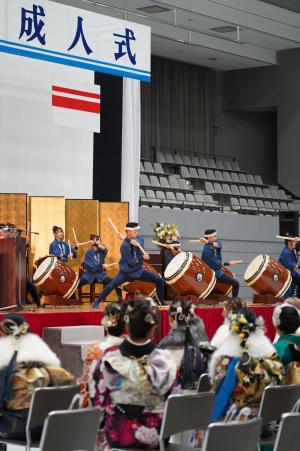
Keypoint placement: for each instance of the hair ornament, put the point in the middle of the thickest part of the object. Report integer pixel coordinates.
(149, 319)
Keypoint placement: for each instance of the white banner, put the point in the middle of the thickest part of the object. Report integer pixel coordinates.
(65, 35)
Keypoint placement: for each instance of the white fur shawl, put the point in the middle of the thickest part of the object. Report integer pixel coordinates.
(30, 347)
(221, 335)
(259, 346)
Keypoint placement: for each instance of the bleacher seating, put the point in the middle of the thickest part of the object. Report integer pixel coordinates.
(186, 181)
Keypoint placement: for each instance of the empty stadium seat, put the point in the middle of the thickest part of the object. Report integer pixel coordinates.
(164, 182)
(209, 188)
(203, 162)
(282, 194)
(258, 180)
(190, 199)
(210, 174)
(174, 182)
(260, 205)
(227, 177)
(250, 179)
(144, 180)
(148, 166)
(218, 188)
(235, 166)
(259, 192)
(243, 191)
(268, 206)
(211, 163)
(243, 178)
(251, 191)
(154, 181)
(202, 174)
(220, 164)
(194, 173)
(142, 195)
(141, 167)
(284, 206)
(187, 160)
(209, 201)
(171, 199)
(235, 190)
(150, 195)
(219, 176)
(169, 158)
(235, 177)
(180, 197)
(195, 160)
(274, 193)
(160, 195)
(177, 158)
(199, 198)
(160, 157)
(244, 204)
(184, 184)
(267, 193)
(227, 165)
(276, 206)
(185, 173)
(158, 168)
(252, 205)
(226, 189)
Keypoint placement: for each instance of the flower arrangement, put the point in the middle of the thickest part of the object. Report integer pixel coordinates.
(165, 233)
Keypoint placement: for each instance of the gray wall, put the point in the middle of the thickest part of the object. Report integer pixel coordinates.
(249, 136)
(243, 236)
(272, 87)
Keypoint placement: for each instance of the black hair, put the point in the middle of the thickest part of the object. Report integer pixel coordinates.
(210, 231)
(132, 224)
(181, 311)
(114, 319)
(56, 229)
(233, 305)
(140, 317)
(93, 237)
(12, 321)
(289, 320)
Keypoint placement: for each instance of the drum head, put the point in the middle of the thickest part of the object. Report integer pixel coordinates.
(255, 267)
(44, 268)
(176, 264)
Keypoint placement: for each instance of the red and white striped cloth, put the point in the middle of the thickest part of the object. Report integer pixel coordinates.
(76, 105)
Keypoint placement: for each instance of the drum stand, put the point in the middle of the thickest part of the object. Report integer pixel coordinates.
(267, 299)
(56, 301)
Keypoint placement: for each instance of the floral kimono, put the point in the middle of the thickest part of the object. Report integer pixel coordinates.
(132, 383)
(241, 375)
(92, 357)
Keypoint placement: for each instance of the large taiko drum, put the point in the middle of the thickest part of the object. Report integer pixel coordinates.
(223, 288)
(55, 277)
(188, 275)
(266, 276)
(138, 286)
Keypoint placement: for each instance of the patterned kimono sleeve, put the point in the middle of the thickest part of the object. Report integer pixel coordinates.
(220, 371)
(92, 357)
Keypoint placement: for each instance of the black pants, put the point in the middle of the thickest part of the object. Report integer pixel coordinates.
(231, 281)
(296, 283)
(30, 289)
(104, 282)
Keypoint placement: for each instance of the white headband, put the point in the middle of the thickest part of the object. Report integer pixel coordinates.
(133, 228)
(211, 235)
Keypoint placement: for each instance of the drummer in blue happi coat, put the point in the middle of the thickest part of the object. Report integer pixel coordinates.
(60, 248)
(95, 267)
(289, 259)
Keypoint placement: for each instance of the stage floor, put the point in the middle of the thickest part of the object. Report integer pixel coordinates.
(40, 318)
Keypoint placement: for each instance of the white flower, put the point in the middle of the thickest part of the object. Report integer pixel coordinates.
(148, 436)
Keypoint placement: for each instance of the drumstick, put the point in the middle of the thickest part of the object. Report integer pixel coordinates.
(75, 238)
(70, 250)
(141, 249)
(201, 240)
(84, 243)
(168, 246)
(113, 225)
(286, 238)
(238, 262)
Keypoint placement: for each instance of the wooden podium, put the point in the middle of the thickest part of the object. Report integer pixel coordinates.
(12, 272)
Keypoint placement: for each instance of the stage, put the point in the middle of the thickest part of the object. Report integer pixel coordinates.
(40, 318)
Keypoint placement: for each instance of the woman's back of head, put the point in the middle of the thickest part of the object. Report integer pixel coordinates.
(141, 318)
(286, 319)
(113, 319)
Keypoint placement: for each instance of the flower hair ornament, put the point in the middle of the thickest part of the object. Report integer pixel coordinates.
(112, 317)
(10, 327)
(242, 327)
(276, 314)
(180, 316)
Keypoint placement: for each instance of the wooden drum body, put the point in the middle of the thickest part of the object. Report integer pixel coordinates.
(54, 277)
(266, 276)
(188, 275)
(223, 288)
(138, 286)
